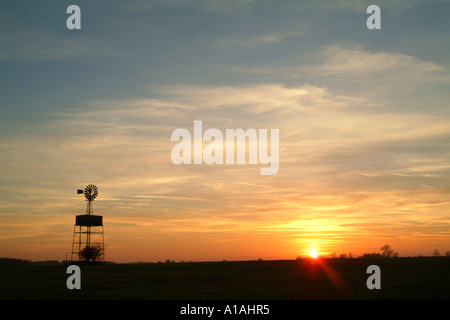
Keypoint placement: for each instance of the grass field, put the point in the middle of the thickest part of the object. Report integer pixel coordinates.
(401, 278)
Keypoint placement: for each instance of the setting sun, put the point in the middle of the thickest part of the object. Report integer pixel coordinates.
(313, 253)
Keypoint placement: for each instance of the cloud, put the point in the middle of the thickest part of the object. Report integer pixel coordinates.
(351, 62)
(255, 41)
(324, 139)
(259, 98)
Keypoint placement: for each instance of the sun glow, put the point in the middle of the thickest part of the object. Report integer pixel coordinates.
(313, 253)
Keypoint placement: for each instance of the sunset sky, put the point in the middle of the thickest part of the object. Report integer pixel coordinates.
(363, 118)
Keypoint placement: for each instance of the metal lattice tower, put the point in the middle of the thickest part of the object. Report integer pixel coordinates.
(88, 238)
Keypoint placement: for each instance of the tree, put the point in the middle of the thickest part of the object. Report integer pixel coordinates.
(388, 252)
(91, 253)
(436, 253)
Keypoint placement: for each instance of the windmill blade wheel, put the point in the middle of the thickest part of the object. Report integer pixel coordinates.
(90, 192)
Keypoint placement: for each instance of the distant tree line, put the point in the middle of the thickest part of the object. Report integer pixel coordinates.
(86, 255)
(386, 252)
(15, 262)
(436, 253)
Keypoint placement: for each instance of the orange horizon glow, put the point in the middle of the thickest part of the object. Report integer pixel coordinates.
(216, 236)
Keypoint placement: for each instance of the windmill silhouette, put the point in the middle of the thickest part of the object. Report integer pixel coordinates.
(88, 237)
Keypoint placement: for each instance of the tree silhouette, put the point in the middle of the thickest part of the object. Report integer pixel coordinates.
(91, 253)
(436, 253)
(388, 252)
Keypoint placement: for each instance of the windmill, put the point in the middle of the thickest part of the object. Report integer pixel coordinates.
(88, 237)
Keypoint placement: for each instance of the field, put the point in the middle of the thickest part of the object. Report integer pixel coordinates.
(401, 278)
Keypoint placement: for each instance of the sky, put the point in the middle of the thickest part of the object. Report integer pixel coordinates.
(363, 118)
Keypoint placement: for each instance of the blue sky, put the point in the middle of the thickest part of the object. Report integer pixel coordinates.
(363, 118)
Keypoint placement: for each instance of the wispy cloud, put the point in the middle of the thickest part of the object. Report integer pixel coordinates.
(256, 41)
(353, 63)
(262, 98)
(356, 61)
